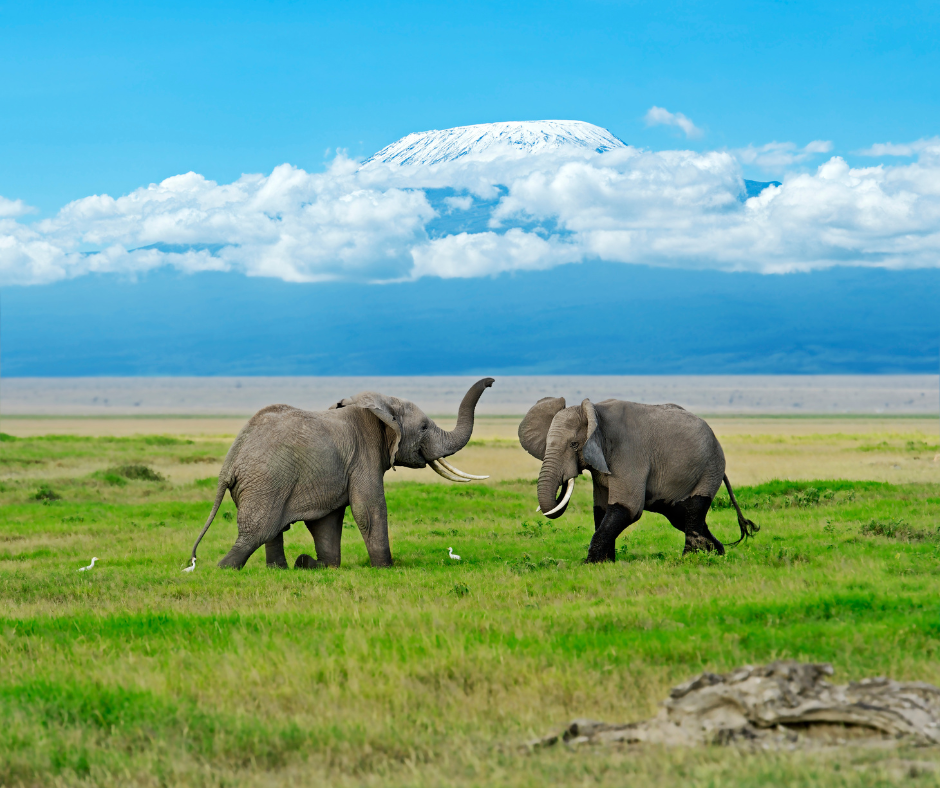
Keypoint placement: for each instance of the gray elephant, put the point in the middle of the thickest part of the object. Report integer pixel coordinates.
(658, 458)
(289, 465)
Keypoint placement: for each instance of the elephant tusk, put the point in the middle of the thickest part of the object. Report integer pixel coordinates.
(446, 474)
(457, 472)
(564, 501)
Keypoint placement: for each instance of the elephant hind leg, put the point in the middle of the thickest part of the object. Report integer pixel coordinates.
(256, 526)
(698, 537)
(327, 533)
(241, 551)
(688, 516)
(274, 552)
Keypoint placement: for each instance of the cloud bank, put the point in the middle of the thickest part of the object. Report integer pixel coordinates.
(479, 218)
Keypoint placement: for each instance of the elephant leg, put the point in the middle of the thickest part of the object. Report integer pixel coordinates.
(600, 510)
(241, 551)
(274, 552)
(327, 533)
(371, 515)
(688, 516)
(257, 525)
(698, 537)
(616, 520)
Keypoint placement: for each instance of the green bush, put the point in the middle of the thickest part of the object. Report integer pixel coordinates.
(46, 494)
(137, 472)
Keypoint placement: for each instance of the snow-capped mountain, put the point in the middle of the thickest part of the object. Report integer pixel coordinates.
(487, 141)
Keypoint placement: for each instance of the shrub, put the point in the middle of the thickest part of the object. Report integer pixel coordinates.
(894, 530)
(46, 494)
(143, 473)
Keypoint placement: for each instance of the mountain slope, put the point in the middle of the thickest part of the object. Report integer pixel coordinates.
(594, 318)
(487, 141)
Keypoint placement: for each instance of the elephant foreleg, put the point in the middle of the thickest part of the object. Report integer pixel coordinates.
(616, 519)
(600, 510)
(371, 515)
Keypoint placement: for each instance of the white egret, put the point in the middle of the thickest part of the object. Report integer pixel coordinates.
(91, 565)
(191, 566)
(452, 554)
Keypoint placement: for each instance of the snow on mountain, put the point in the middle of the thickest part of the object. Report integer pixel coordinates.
(488, 141)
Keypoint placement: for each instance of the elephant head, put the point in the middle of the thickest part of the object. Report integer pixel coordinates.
(414, 440)
(567, 441)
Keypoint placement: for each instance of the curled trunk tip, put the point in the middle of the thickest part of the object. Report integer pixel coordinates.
(457, 438)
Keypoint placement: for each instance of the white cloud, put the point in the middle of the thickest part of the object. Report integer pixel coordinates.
(658, 116)
(458, 203)
(13, 208)
(778, 156)
(671, 208)
(467, 255)
(920, 147)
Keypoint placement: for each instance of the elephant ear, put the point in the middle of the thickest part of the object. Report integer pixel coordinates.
(593, 451)
(383, 408)
(533, 431)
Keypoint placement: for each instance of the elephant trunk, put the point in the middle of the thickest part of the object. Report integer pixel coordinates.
(453, 441)
(550, 479)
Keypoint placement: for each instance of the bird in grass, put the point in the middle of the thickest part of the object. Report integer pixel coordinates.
(90, 566)
(452, 554)
(191, 566)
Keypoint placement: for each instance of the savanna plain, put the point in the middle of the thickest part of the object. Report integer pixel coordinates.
(436, 672)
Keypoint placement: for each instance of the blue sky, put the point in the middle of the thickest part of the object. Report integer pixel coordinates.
(103, 97)
(150, 151)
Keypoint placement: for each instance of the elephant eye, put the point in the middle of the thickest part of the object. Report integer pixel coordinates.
(424, 426)
(574, 444)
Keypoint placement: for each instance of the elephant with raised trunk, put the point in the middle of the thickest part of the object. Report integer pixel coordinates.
(658, 458)
(289, 465)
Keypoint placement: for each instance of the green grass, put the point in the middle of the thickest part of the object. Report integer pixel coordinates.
(432, 672)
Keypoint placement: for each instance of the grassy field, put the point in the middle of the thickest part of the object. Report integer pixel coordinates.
(433, 672)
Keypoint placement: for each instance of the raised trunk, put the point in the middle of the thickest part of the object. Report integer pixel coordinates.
(453, 441)
(549, 482)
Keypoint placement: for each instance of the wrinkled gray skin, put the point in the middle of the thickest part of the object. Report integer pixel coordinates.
(658, 458)
(289, 465)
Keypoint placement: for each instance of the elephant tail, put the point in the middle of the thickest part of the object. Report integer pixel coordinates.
(748, 527)
(224, 484)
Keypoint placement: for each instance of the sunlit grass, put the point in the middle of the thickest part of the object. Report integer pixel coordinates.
(432, 672)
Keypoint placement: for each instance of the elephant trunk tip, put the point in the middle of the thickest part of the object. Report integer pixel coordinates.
(457, 438)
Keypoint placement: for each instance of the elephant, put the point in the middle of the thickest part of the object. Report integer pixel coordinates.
(658, 458)
(289, 465)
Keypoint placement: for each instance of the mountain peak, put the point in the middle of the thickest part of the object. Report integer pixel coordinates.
(487, 141)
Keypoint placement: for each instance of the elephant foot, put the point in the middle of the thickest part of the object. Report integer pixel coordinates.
(305, 561)
(601, 552)
(696, 542)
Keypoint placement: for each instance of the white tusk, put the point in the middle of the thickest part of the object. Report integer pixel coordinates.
(538, 508)
(446, 474)
(457, 472)
(564, 500)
